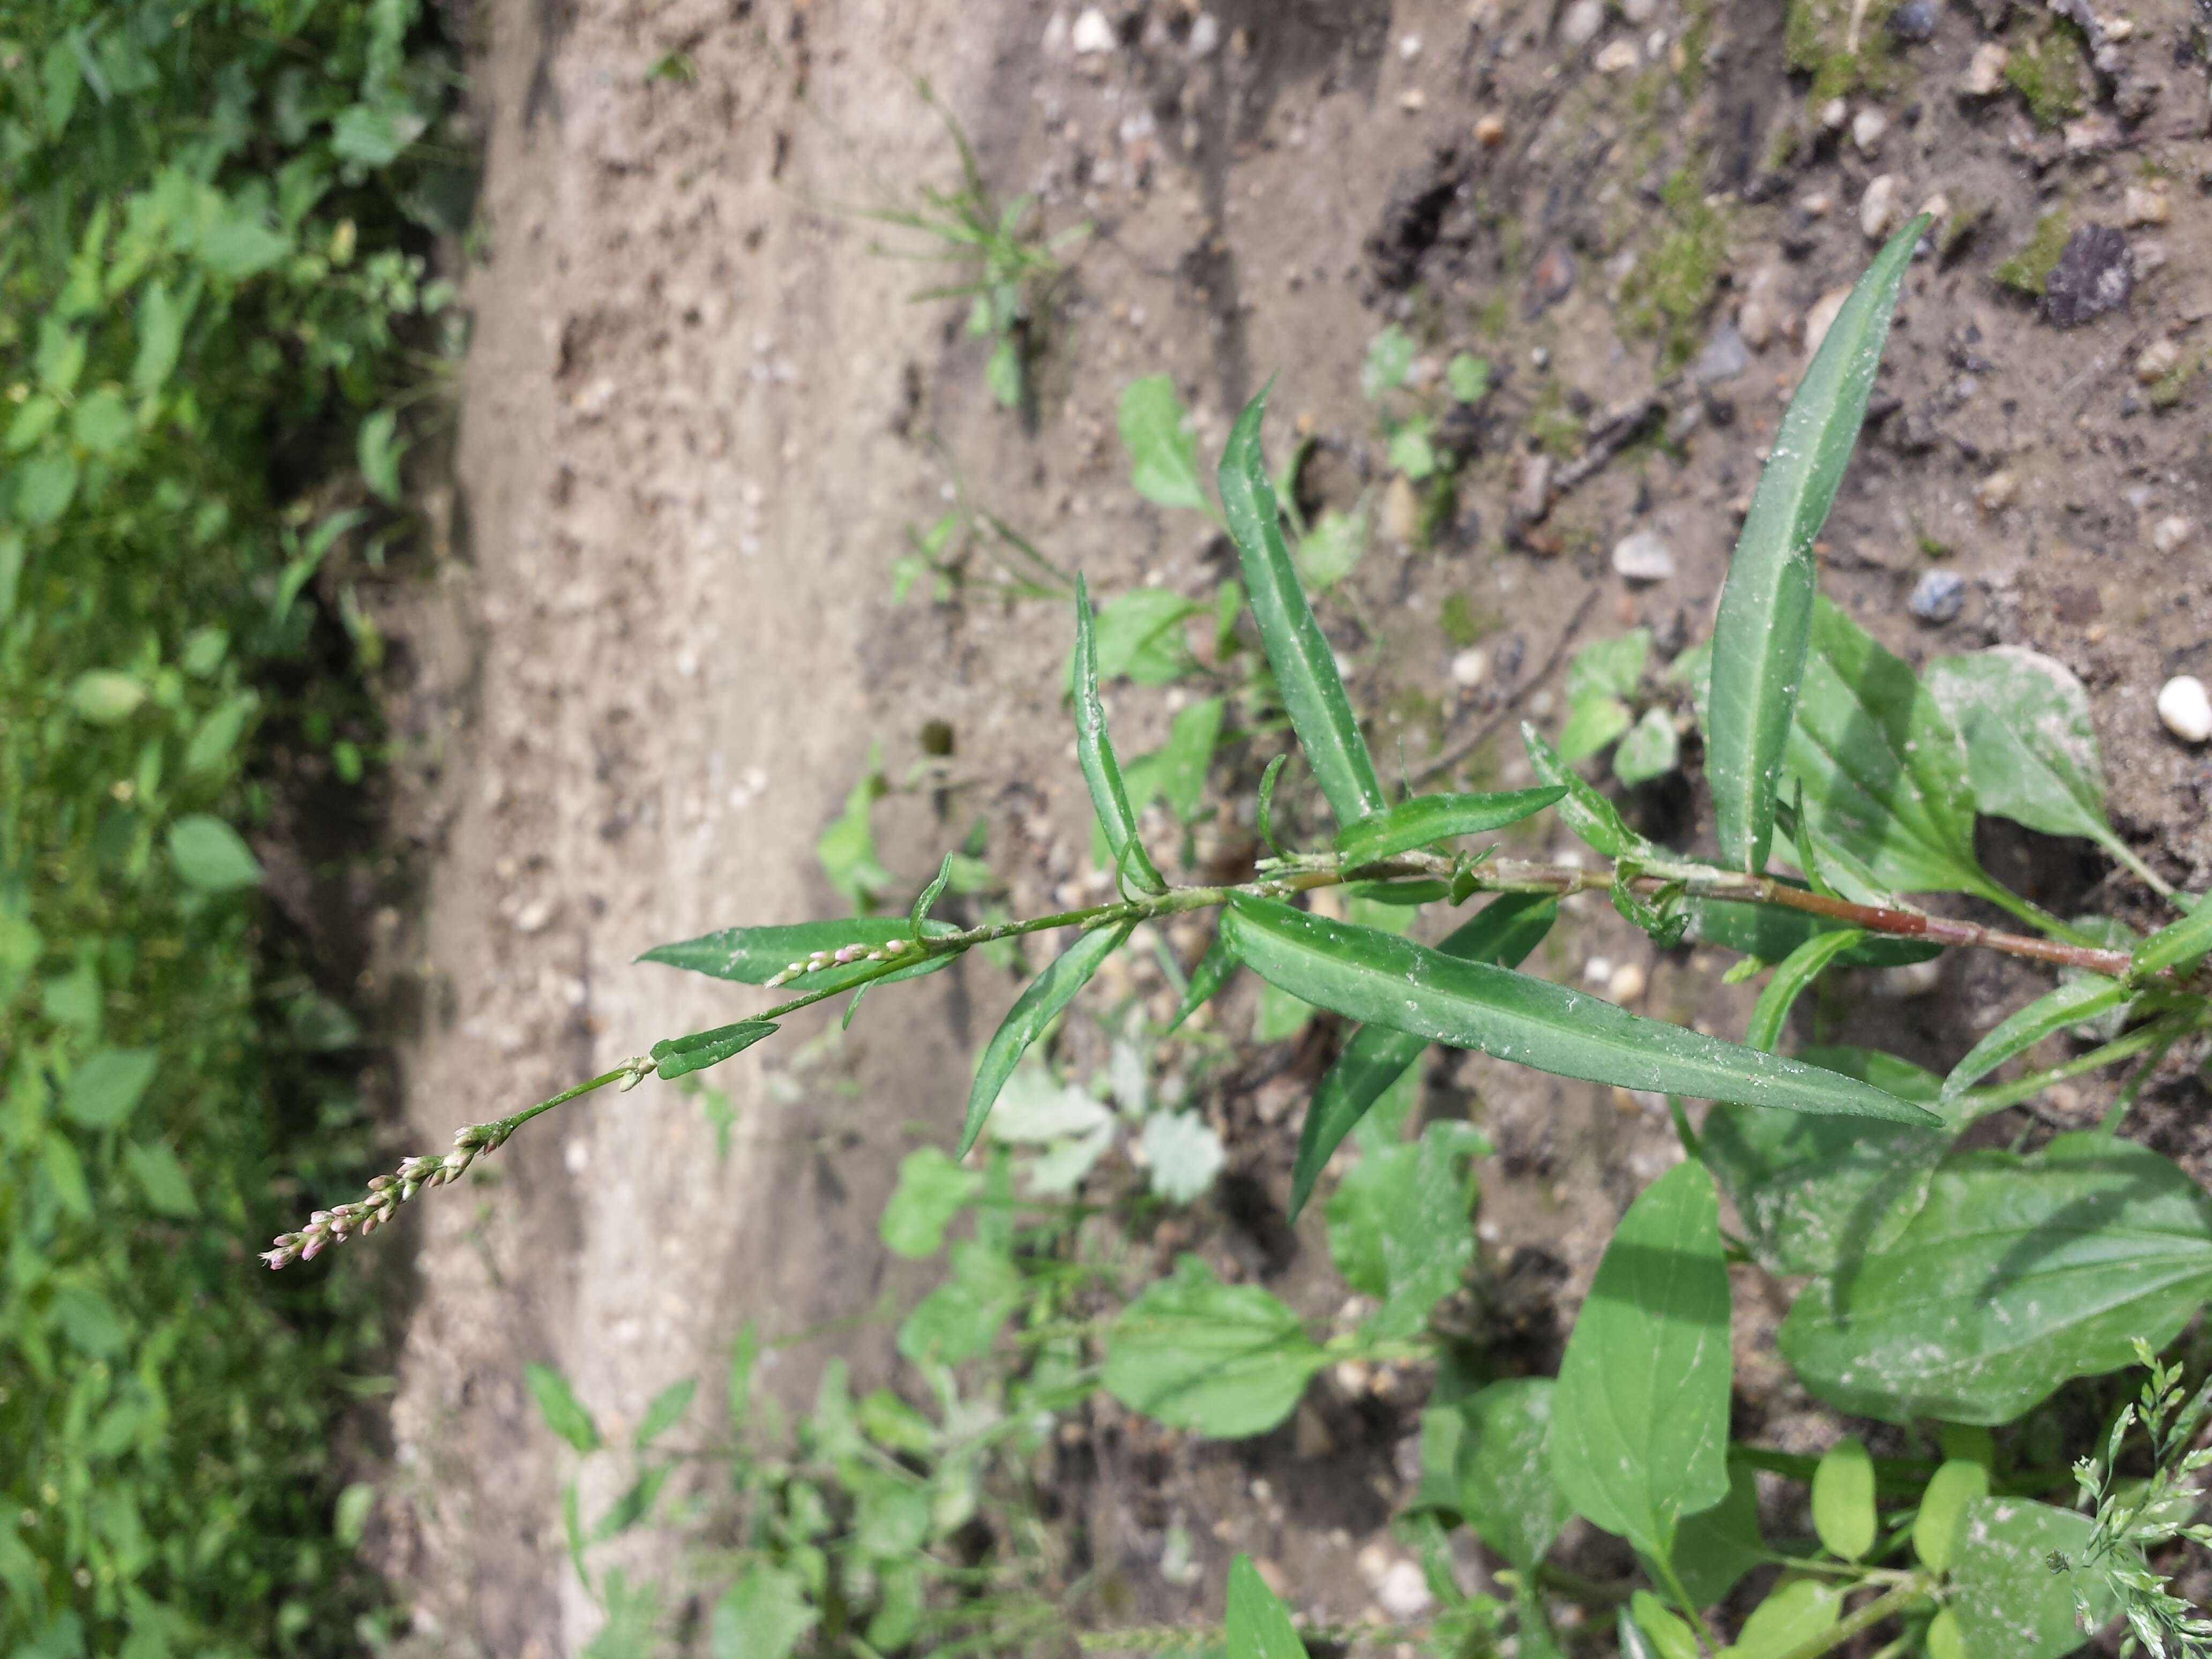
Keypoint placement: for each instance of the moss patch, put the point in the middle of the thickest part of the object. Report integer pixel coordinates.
(1464, 622)
(1555, 429)
(2028, 272)
(1816, 41)
(2047, 71)
(1671, 288)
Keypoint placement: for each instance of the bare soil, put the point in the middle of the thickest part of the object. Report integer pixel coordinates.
(653, 639)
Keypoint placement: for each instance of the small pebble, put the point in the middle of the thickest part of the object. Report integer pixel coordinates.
(1093, 33)
(1404, 1592)
(1627, 984)
(1985, 74)
(2094, 274)
(2157, 360)
(1867, 129)
(2144, 206)
(1598, 970)
(2185, 708)
(1617, 58)
(1581, 24)
(1469, 668)
(1205, 35)
(1639, 11)
(1822, 316)
(1725, 356)
(1412, 100)
(1489, 131)
(1401, 511)
(2170, 534)
(1914, 20)
(1409, 47)
(1644, 557)
(1878, 208)
(1995, 493)
(1939, 597)
(1834, 113)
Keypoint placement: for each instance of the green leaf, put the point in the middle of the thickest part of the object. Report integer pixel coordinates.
(1258, 1625)
(1279, 1014)
(2009, 1601)
(764, 1616)
(2072, 1003)
(101, 422)
(1609, 668)
(1368, 975)
(1582, 809)
(633, 1506)
(1039, 1002)
(379, 451)
(350, 1519)
(1716, 1548)
(2177, 943)
(1842, 1499)
(103, 1092)
(239, 245)
(754, 956)
(1183, 1155)
(1162, 453)
(1429, 818)
(1305, 668)
(1225, 1360)
(211, 856)
(168, 1189)
(1502, 932)
(1765, 610)
(46, 485)
(1398, 1225)
(1651, 749)
(1670, 1637)
(1094, 751)
(1640, 1419)
(1504, 1470)
(1411, 451)
(2030, 745)
(667, 1407)
(1790, 1618)
(1332, 549)
(558, 1405)
(680, 1056)
(1885, 775)
(1592, 723)
(1206, 980)
(1141, 635)
(1468, 378)
(1799, 970)
(846, 849)
(1390, 359)
(960, 1319)
(1942, 1512)
(1816, 1193)
(932, 1190)
(105, 697)
(162, 319)
(1002, 372)
(2018, 1274)
(59, 362)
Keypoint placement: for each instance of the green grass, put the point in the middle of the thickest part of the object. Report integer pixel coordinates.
(205, 211)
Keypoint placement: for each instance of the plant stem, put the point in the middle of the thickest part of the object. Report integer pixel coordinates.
(1672, 1582)
(1872, 1613)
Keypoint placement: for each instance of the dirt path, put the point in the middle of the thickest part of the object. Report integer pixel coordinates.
(698, 420)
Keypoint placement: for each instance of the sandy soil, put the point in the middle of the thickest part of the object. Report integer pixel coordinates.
(654, 638)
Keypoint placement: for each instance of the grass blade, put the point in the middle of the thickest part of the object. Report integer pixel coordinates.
(1305, 668)
(1428, 818)
(1767, 607)
(1796, 971)
(2170, 947)
(1365, 974)
(2071, 1004)
(1094, 751)
(1040, 1000)
(1503, 934)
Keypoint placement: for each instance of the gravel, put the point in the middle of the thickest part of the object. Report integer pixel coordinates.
(1644, 557)
(2186, 709)
(1939, 597)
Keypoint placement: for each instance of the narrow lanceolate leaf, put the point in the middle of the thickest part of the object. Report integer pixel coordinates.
(2031, 746)
(1368, 975)
(1588, 813)
(1502, 932)
(1427, 818)
(1797, 970)
(1305, 668)
(1258, 1625)
(1212, 973)
(1041, 999)
(2183, 941)
(754, 956)
(2071, 1004)
(2018, 1274)
(926, 900)
(1767, 607)
(1094, 750)
(1163, 455)
(1883, 771)
(676, 1056)
(1639, 1419)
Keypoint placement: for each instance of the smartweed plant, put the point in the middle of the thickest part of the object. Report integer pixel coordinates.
(1934, 1284)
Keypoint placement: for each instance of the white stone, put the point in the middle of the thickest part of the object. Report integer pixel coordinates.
(1822, 316)
(1878, 208)
(1469, 668)
(1639, 11)
(1093, 33)
(1409, 47)
(1984, 75)
(2186, 709)
(1205, 35)
(1616, 57)
(1404, 1592)
(1598, 970)
(1627, 984)
(1581, 24)
(2143, 206)
(1644, 557)
(2170, 534)
(2157, 360)
(1997, 492)
(1867, 129)
(1834, 113)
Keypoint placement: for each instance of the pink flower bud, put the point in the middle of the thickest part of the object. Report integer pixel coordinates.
(313, 1248)
(275, 1259)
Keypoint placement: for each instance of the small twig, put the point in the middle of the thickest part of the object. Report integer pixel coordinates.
(1483, 733)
